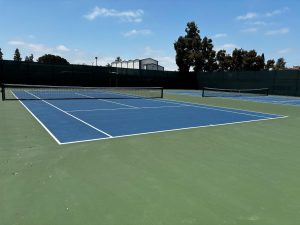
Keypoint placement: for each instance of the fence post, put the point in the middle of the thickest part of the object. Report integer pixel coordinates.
(274, 82)
(297, 84)
(2, 92)
(1, 72)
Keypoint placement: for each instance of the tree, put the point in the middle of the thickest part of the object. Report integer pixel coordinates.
(52, 59)
(270, 64)
(193, 51)
(183, 59)
(224, 61)
(263, 60)
(228, 62)
(199, 54)
(238, 59)
(194, 44)
(252, 61)
(118, 59)
(220, 57)
(208, 55)
(260, 62)
(17, 55)
(280, 64)
(29, 58)
(1, 54)
(188, 48)
(249, 60)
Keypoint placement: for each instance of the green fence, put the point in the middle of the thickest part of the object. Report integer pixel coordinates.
(279, 82)
(82, 75)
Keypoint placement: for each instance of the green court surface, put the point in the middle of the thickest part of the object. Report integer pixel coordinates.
(239, 174)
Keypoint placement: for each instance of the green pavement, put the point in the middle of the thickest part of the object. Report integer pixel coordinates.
(239, 174)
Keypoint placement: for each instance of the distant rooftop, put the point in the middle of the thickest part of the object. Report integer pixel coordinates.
(142, 64)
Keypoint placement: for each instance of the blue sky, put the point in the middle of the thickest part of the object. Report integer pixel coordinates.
(80, 30)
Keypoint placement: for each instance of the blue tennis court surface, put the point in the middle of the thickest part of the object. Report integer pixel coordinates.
(283, 100)
(70, 121)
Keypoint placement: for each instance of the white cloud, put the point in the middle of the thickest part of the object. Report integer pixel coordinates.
(256, 23)
(13, 42)
(284, 51)
(74, 56)
(62, 48)
(276, 12)
(168, 62)
(221, 35)
(247, 16)
(227, 47)
(253, 15)
(31, 36)
(250, 30)
(38, 48)
(31, 46)
(149, 52)
(137, 32)
(129, 16)
(279, 31)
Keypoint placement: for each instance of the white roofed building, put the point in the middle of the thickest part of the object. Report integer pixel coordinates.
(142, 64)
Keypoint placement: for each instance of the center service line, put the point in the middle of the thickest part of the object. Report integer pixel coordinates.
(107, 101)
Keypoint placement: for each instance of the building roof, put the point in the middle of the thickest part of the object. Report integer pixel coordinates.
(151, 59)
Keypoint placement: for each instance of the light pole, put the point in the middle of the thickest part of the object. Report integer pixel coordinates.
(96, 60)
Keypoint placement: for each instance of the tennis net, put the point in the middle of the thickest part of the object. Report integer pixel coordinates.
(219, 92)
(42, 92)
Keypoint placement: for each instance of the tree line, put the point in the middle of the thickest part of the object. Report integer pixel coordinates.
(47, 58)
(197, 54)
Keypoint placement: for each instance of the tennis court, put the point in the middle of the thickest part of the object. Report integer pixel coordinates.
(273, 99)
(109, 113)
(238, 165)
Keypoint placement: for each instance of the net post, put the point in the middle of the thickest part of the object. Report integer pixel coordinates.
(2, 92)
(162, 93)
(203, 92)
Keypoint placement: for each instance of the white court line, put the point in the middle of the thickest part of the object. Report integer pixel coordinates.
(137, 108)
(256, 99)
(214, 107)
(40, 122)
(268, 101)
(82, 121)
(217, 108)
(166, 101)
(196, 106)
(171, 130)
(106, 100)
(286, 101)
(274, 102)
